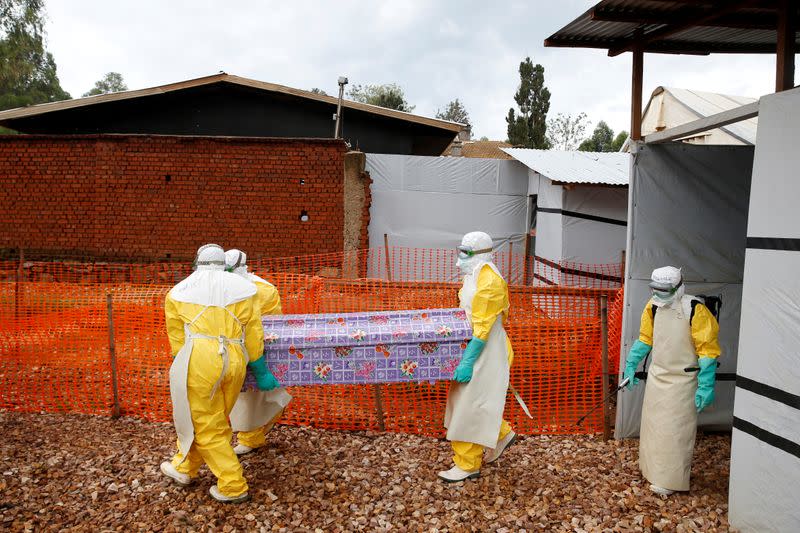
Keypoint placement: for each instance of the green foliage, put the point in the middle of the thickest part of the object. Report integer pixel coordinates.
(110, 83)
(454, 112)
(565, 132)
(27, 70)
(619, 140)
(602, 139)
(317, 90)
(528, 126)
(388, 95)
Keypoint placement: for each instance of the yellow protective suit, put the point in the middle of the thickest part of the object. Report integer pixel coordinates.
(704, 330)
(269, 303)
(489, 303)
(212, 432)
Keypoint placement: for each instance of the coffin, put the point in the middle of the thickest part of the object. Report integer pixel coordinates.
(373, 347)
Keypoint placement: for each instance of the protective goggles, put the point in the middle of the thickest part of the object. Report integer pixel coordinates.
(664, 290)
(466, 251)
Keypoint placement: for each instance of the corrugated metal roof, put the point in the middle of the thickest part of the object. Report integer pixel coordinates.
(722, 26)
(705, 104)
(608, 168)
(223, 77)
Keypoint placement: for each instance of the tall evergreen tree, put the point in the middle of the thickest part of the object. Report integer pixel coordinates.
(528, 126)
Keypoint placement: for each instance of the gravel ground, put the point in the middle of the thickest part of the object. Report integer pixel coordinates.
(76, 473)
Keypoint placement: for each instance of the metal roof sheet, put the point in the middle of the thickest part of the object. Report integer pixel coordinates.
(705, 104)
(744, 28)
(223, 77)
(608, 168)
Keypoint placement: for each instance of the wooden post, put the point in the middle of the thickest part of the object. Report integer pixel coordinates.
(623, 268)
(377, 395)
(604, 355)
(510, 256)
(112, 352)
(525, 258)
(18, 284)
(636, 93)
(785, 51)
(388, 259)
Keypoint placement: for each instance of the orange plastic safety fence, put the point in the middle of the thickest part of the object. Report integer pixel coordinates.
(55, 342)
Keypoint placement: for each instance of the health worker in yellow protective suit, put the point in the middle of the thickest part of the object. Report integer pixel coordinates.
(215, 332)
(255, 412)
(682, 335)
(477, 397)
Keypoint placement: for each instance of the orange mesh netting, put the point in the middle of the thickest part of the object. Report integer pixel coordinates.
(55, 342)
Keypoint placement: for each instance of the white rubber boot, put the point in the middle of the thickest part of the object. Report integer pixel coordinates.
(493, 455)
(661, 490)
(181, 479)
(455, 475)
(241, 449)
(217, 495)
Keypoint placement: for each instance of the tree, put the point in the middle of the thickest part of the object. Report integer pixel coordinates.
(27, 70)
(388, 95)
(528, 126)
(317, 90)
(619, 140)
(454, 112)
(565, 132)
(110, 83)
(602, 139)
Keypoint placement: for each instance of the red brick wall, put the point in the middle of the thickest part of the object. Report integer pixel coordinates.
(129, 196)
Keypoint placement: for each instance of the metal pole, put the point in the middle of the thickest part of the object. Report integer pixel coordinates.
(337, 132)
(112, 352)
(604, 355)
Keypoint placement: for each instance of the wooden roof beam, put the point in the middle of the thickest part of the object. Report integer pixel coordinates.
(684, 24)
(786, 46)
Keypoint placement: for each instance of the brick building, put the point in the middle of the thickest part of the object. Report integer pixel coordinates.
(159, 197)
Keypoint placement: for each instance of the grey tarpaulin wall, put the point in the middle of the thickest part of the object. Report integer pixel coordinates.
(687, 208)
(431, 202)
(765, 449)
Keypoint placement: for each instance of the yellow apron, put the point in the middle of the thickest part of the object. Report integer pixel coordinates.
(475, 409)
(669, 416)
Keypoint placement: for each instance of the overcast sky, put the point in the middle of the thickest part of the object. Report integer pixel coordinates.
(436, 51)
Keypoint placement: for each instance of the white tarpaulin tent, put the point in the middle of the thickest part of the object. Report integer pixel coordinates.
(688, 208)
(765, 451)
(669, 107)
(581, 202)
(431, 202)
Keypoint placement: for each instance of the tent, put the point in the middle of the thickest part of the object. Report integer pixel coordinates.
(431, 202)
(579, 205)
(765, 450)
(669, 107)
(727, 216)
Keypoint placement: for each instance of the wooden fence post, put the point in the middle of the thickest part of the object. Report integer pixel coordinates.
(604, 355)
(113, 357)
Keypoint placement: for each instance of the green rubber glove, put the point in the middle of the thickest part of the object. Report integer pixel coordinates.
(705, 382)
(639, 351)
(264, 378)
(463, 371)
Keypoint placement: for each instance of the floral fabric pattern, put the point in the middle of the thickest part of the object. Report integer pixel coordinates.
(374, 347)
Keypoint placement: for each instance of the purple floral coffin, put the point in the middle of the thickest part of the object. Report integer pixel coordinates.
(375, 347)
